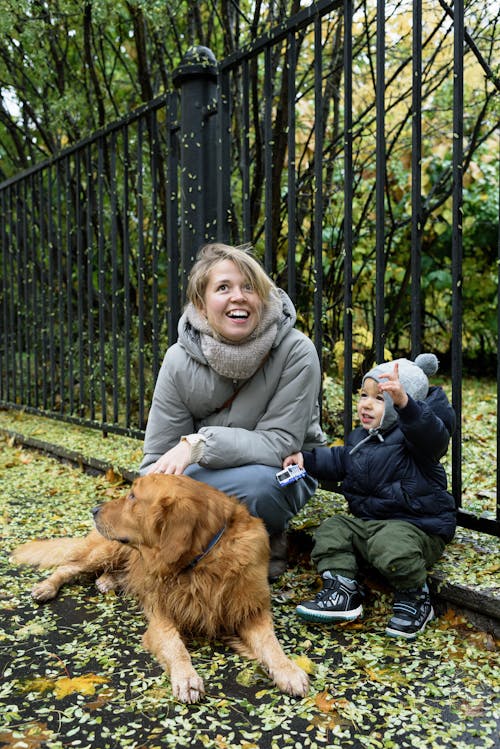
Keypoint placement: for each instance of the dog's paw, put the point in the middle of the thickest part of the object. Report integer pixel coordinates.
(292, 680)
(44, 591)
(188, 689)
(106, 582)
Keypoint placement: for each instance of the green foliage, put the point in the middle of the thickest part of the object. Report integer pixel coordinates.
(67, 69)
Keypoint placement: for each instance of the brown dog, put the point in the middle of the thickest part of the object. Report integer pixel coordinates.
(195, 559)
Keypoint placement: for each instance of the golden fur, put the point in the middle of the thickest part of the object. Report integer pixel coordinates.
(145, 542)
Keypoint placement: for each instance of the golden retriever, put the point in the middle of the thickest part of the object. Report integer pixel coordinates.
(196, 560)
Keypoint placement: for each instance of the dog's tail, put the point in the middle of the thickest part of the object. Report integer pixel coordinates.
(50, 552)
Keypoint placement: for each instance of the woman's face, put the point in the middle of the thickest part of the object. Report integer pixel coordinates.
(231, 305)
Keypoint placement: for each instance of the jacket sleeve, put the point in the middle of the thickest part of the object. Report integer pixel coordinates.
(428, 425)
(282, 428)
(168, 419)
(325, 463)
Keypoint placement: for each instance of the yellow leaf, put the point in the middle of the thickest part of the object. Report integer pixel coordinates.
(38, 685)
(305, 663)
(83, 684)
(262, 693)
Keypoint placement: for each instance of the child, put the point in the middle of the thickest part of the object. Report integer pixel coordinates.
(395, 486)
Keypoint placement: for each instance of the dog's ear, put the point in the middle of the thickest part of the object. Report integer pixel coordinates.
(175, 522)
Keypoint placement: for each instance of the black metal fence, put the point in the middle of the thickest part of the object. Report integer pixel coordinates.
(275, 146)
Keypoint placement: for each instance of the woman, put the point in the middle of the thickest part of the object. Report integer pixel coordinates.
(238, 392)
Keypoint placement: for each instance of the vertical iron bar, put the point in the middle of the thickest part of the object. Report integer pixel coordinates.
(27, 343)
(101, 264)
(292, 179)
(126, 276)
(11, 376)
(80, 290)
(318, 188)
(60, 287)
(18, 296)
(348, 201)
(245, 152)
(90, 284)
(154, 164)
(380, 186)
(416, 183)
(223, 156)
(498, 349)
(35, 245)
(50, 309)
(3, 295)
(115, 290)
(141, 269)
(43, 288)
(268, 159)
(456, 248)
(71, 228)
(172, 213)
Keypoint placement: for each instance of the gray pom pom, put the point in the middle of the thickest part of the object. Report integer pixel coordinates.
(428, 363)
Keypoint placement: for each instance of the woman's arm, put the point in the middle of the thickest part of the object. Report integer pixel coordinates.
(291, 409)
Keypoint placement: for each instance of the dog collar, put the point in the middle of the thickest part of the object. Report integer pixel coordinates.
(210, 546)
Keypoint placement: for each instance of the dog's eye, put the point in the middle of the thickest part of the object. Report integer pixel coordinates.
(131, 496)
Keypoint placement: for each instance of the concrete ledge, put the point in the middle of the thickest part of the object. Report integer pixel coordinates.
(480, 607)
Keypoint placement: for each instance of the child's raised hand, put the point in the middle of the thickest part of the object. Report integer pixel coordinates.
(393, 386)
(294, 459)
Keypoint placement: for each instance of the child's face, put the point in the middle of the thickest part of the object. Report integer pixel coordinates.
(371, 405)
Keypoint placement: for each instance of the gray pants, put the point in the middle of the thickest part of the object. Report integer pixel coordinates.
(256, 486)
(400, 551)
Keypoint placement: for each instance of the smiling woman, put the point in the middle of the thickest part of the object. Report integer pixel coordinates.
(238, 392)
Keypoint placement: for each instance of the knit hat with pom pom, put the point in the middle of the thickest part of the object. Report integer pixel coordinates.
(413, 377)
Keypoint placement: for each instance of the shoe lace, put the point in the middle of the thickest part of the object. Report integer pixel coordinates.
(329, 587)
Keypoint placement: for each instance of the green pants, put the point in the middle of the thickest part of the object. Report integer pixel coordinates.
(400, 551)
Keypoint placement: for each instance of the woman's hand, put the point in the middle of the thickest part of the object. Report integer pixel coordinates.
(295, 459)
(174, 461)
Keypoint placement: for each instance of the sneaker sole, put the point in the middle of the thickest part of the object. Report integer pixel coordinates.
(328, 616)
(410, 635)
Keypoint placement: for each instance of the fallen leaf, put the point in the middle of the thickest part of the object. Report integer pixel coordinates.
(84, 684)
(305, 663)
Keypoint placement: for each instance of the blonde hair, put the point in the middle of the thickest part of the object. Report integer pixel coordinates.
(212, 254)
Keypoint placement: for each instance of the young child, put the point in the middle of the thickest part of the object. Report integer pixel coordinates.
(390, 474)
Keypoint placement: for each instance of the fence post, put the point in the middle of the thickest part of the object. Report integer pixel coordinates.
(196, 79)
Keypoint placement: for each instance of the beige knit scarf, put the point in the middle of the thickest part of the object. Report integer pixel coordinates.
(238, 360)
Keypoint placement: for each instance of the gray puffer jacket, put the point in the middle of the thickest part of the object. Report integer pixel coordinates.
(275, 413)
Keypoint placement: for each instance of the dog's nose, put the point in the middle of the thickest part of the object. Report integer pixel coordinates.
(95, 510)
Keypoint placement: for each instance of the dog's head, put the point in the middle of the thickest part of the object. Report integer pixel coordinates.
(173, 513)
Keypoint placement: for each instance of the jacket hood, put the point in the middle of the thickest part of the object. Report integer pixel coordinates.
(189, 337)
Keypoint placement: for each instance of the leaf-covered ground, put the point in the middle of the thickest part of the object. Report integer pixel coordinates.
(74, 673)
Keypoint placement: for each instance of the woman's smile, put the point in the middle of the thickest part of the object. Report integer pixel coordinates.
(232, 306)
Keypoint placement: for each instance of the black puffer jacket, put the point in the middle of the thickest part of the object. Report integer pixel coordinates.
(399, 476)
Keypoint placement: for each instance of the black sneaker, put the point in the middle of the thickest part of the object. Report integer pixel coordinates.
(411, 611)
(340, 600)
